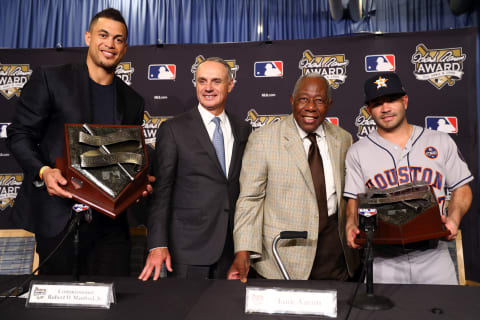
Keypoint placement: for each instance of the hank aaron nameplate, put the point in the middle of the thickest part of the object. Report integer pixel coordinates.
(105, 165)
(406, 214)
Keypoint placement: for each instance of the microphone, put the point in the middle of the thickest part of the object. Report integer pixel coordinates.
(367, 219)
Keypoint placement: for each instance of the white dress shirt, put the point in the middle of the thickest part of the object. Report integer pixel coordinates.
(228, 139)
(327, 164)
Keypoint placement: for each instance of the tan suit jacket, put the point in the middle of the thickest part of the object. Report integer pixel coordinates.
(277, 194)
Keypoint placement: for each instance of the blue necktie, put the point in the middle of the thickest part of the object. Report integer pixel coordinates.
(217, 141)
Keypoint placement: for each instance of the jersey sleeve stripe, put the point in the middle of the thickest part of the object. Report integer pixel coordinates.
(349, 195)
(460, 183)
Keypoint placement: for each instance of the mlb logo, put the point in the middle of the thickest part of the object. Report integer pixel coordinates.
(380, 62)
(268, 69)
(161, 72)
(333, 120)
(79, 207)
(3, 129)
(367, 212)
(442, 123)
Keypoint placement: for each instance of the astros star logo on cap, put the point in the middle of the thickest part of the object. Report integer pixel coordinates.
(381, 82)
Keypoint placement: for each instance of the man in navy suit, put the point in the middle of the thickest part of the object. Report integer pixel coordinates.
(198, 160)
(83, 93)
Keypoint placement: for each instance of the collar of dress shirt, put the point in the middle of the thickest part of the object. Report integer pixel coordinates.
(319, 131)
(207, 116)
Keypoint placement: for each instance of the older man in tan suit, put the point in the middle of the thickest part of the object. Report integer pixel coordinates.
(292, 178)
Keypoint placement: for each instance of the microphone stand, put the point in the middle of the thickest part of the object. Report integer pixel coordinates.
(76, 246)
(370, 301)
(80, 212)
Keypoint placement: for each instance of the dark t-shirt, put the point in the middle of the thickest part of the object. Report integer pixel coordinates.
(103, 99)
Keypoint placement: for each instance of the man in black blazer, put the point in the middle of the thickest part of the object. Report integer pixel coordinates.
(84, 93)
(191, 216)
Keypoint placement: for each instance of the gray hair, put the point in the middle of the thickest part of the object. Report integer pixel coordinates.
(312, 75)
(219, 60)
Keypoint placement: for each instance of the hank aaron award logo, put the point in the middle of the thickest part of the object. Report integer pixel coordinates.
(438, 66)
(9, 185)
(257, 121)
(332, 67)
(364, 122)
(124, 71)
(232, 63)
(12, 79)
(150, 127)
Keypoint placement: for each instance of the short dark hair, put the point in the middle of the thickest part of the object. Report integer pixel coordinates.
(109, 13)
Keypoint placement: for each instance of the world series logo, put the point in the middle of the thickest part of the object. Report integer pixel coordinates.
(332, 67)
(150, 127)
(9, 186)
(232, 63)
(12, 79)
(438, 66)
(124, 71)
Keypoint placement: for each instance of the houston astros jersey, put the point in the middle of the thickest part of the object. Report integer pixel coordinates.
(429, 156)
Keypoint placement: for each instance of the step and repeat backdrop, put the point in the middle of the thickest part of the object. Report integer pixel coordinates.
(438, 70)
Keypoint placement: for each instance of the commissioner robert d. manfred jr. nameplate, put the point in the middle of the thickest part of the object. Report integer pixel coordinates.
(105, 165)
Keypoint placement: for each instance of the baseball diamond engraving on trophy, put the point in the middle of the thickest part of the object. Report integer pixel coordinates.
(408, 213)
(105, 165)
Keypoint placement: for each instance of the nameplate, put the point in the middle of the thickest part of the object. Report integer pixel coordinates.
(70, 295)
(291, 301)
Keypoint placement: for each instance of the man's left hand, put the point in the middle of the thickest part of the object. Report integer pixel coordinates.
(149, 189)
(451, 225)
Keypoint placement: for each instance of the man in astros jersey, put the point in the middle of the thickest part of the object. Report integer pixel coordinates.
(398, 153)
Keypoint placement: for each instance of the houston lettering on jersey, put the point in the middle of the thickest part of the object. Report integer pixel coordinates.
(394, 177)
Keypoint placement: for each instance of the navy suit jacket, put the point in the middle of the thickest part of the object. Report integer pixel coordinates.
(193, 202)
(53, 97)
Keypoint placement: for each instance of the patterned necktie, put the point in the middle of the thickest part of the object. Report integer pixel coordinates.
(217, 141)
(318, 177)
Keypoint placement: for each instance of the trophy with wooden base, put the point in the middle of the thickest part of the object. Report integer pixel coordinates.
(406, 214)
(105, 165)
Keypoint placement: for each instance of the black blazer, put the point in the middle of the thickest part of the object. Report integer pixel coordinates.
(193, 203)
(52, 97)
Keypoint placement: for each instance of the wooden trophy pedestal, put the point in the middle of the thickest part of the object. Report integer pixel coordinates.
(86, 184)
(406, 214)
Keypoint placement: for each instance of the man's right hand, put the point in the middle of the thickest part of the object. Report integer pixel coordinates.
(155, 259)
(53, 179)
(352, 231)
(240, 267)
(351, 227)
